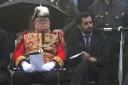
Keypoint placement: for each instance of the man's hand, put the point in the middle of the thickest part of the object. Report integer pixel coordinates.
(92, 59)
(88, 57)
(49, 66)
(85, 55)
(27, 67)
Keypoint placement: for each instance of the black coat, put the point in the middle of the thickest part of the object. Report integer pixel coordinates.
(5, 76)
(113, 15)
(4, 50)
(98, 48)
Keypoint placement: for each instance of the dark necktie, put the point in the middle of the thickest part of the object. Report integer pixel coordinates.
(87, 36)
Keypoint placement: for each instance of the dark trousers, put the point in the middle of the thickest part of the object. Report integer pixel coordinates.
(84, 73)
(5, 77)
(45, 78)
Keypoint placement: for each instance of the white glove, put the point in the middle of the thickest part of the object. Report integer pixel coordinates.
(27, 67)
(49, 66)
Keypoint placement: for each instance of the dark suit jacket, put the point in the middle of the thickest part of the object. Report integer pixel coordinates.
(99, 49)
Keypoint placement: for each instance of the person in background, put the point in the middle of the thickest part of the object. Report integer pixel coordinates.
(111, 14)
(73, 8)
(5, 76)
(90, 66)
(69, 7)
(83, 5)
(40, 45)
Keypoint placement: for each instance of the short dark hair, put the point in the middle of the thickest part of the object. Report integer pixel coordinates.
(82, 15)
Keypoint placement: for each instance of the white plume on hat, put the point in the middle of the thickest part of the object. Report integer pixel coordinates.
(41, 10)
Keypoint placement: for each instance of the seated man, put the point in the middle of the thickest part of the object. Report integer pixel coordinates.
(92, 60)
(39, 53)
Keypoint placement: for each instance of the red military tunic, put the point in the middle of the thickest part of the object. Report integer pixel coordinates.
(51, 43)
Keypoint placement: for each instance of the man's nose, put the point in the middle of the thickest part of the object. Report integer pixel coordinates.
(89, 25)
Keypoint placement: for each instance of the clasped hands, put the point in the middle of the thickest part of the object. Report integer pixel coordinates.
(27, 67)
(88, 57)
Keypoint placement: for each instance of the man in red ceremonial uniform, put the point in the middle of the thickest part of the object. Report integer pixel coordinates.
(39, 53)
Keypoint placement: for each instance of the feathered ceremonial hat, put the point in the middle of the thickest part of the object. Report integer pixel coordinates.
(40, 11)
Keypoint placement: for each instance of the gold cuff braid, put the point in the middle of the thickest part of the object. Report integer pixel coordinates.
(19, 59)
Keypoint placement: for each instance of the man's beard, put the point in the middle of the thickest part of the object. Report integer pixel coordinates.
(88, 31)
